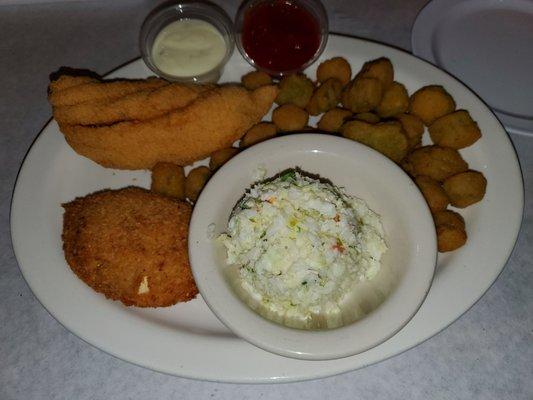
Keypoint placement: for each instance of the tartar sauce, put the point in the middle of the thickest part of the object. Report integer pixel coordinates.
(188, 47)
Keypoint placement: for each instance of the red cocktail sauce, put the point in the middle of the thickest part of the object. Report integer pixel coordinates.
(280, 35)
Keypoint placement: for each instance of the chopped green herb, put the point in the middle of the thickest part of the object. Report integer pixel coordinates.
(288, 176)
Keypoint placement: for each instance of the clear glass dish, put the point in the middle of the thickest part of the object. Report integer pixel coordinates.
(163, 16)
(313, 7)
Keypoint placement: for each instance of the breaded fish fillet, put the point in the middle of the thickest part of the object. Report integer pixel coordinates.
(138, 106)
(130, 245)
(213, 121)
(68, 81)
(69, 90)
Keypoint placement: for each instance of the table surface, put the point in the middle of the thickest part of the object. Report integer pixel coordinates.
(486, 354)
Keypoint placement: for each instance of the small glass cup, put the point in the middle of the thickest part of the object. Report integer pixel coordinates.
(161, 17)
(314, 7)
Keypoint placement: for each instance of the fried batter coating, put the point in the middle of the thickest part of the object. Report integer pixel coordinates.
(431, 102)
(413, 128)
(381, 69)
(168, 179)
(131, 245)
(369, 117)
(362, 95)
(69, 90)
(333, 119)
(436, 162)
(385, 137)
(213, 121)
(258, 133)
(255, 79)
(352, 128)
(450, 239)
(295, 89)
(465, 188)
(325, 97)
(138, 106)
(221, 157)
(195, 182)
(433, 192)
(456, 130)
(336, 67)
(68, 81)
(289, 117)
(450, 218)
(395, 101)
(450, 228)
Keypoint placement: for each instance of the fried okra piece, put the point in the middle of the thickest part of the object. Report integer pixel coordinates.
(168, 179)
(220, 157)
(430, 103)
(433, 192)
(195, 182)
(295, 89)
(289, 117)
(450, 228)
(436, 162)
(325, 97)
(308, 129)
(362, 95)
(456, 130)
(407, 166)
(255, 79)
(258, 133)
(336, 67)
(333, 119)
(413, 128)
(351, 128)
(395, 101)
(465, 188)
(385, 137)
(450, 218)
(381, 69)
(369, 117)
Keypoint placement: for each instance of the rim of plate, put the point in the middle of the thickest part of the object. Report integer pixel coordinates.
(427, 23)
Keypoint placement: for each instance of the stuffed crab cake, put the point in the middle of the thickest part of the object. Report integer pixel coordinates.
(300, 246)
(131, 245)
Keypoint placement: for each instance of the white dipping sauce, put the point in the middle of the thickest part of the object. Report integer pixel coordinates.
(188, 47)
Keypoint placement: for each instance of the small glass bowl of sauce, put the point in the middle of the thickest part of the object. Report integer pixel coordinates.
(187, 42)
(281, 37)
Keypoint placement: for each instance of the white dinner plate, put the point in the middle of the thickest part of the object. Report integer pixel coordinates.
(187, 339)
(488, 45)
